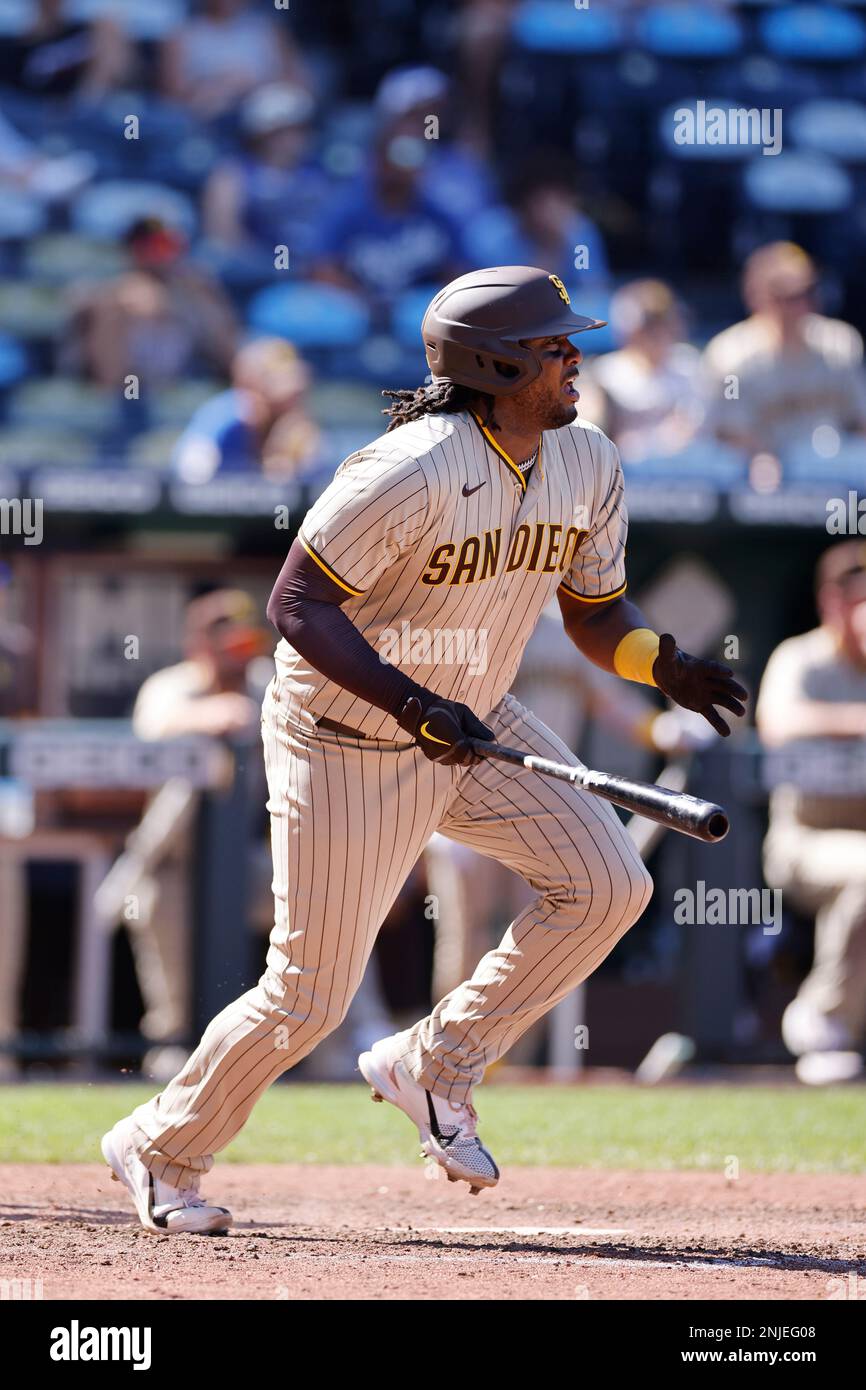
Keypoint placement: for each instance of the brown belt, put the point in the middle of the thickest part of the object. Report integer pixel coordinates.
(335, 728)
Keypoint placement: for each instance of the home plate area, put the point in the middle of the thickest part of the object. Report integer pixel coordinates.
(309, 1232)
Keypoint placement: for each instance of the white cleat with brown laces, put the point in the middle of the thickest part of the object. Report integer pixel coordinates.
(446, 1129)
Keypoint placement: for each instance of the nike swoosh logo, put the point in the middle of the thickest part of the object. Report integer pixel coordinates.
(468, 491)
(432, 737)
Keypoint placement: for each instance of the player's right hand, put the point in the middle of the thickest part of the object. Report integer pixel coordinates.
(443, 729)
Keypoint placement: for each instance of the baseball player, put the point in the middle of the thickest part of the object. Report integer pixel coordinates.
(404, 605)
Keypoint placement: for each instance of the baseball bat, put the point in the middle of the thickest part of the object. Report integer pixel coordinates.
(703, 820)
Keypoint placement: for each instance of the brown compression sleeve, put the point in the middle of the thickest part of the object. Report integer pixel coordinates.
(305, 609)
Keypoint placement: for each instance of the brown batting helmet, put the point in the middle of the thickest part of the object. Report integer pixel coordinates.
(475, 329)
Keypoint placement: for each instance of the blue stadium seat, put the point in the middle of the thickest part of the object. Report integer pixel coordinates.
(62, 257)
(15, 16)
(689, 31)
(814, 34)
(13, 360)
(109, 209)
(797, 183)
(556, 26)
(21, 216)
(37, 445)
(31, 311)
(311, 315)
(840, 459)
(63, 402)
(409, 311)
(154, 20)
(834, 128)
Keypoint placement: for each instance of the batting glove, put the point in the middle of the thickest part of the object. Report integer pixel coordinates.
(697, 684)
(442, 729)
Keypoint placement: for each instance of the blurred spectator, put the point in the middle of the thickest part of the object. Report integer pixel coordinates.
(17, 645)
(259, 425)
(273, 193)
(814, 689)
(162, 318)
(786, 370)
(416, 103)
(217, 691)
(384, 235)
(217, 57)
(55, 56)
(483, 29)
(646, 395)
(542, 224)
(48, 179)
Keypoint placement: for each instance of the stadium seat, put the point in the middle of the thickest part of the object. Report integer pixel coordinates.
(689, 31)
(109, 209)
(64, 257)
(813, 34)
(15, 16)
(834, 128)
(826, 457)
(311, 315)
(29, 446)
(797, 183)
(409, 310)
(63, 402)
(31, 310)
(341, 403)
(551, 26)
(21, 216)
(152, 449)
(13, 360)
(154, 20)
(170, 406)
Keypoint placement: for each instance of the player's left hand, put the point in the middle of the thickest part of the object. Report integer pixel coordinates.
(697, 684)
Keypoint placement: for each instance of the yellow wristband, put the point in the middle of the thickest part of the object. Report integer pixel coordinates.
(635, 654)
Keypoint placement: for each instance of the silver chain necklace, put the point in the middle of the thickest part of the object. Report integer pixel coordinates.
(527, 463)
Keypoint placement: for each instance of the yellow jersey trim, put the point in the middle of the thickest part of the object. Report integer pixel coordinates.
(586, 598)
(502, 454)
(356, 593)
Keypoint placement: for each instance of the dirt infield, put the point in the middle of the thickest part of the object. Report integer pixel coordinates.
(372, 1233)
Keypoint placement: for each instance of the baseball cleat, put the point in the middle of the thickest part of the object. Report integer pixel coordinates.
(161, 1208)
(446, 1129)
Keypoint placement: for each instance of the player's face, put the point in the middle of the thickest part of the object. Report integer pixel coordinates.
(550, 401)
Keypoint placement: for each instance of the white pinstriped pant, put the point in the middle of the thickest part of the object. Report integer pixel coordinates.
(348, 822)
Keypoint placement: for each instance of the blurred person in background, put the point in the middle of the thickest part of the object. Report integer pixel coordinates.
(647, 394)
(814, 689)
(384, 235)
(216, 690)
(453, 176)
(223, 52)
(57, 56)
(273, 193)
(482, 32)
(160, 319)
(541, 223)
(48, 179)
(260, 425)
(777, 376)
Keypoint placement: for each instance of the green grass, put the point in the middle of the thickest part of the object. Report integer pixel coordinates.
(766, 1128)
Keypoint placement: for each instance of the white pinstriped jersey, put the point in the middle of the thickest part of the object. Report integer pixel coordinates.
(449, 556)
